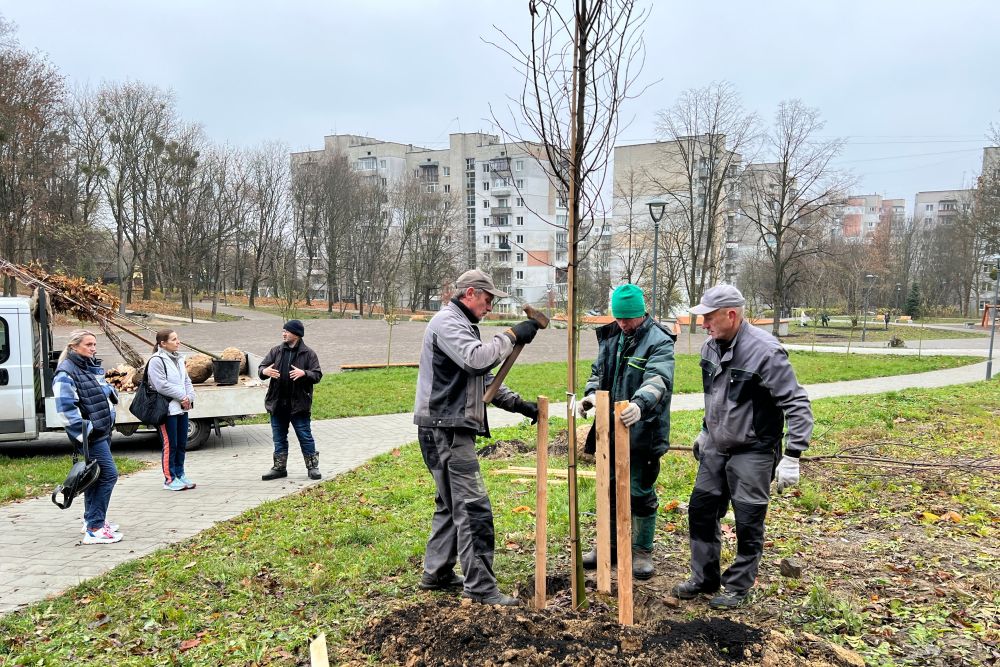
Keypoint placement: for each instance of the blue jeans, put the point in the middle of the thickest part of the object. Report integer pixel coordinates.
(173, 446)
(97, 497)
(303, 431)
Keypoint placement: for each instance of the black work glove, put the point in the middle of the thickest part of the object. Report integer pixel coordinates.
(523, 333)
(528, 409)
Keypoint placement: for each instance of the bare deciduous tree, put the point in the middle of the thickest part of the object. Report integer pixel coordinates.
(788, 199)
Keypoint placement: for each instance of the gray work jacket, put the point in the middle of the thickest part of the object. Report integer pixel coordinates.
(750, 393)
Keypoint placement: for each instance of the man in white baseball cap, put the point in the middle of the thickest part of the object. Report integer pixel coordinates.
(750, 393)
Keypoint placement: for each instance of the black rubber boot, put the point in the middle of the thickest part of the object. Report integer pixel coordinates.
(312, 465)
(279, 469)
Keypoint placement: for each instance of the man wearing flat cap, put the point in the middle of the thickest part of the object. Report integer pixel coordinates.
(751, 392)
(293, 370)
(449, 412)
(635, 363)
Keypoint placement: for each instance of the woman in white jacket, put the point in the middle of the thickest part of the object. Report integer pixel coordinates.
(168, 376)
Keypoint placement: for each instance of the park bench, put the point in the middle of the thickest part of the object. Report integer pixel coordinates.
(904, 318)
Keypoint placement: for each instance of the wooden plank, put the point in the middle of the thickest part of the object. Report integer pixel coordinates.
(623, 510)
(541, 499)
(557, 473)
(318, 655)
(602, 455)
(365, 367)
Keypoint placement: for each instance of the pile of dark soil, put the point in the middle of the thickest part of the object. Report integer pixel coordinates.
(447, 632)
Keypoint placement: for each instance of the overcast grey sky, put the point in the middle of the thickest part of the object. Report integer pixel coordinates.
(912, 83)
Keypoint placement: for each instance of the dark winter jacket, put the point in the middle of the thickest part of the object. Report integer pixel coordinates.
(640, 369)
(85, 401)
(454, 373)
(283, 393)
(750, 392)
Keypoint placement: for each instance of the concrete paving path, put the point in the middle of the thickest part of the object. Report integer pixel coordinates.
(40, 545)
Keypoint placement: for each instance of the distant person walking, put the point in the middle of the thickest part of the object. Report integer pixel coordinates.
(168, 376)
(886, 317)
(86, 405)
(294, 370)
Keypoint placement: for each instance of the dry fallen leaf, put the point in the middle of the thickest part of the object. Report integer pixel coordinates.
(952, 516)
(929, 517)
(189, 644)
(671, 506)
(190, 565)
(397, 452)
(520, 509)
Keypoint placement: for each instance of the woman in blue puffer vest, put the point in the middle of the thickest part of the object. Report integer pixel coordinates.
(86, 405)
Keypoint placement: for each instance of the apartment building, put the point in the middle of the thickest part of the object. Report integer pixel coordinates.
(935, 207)
(515, 219)
(861, 217)
(689, 174)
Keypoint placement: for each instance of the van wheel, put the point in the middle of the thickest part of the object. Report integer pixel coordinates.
(198, 432)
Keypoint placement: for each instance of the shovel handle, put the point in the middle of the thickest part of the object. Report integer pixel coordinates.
(494, 387)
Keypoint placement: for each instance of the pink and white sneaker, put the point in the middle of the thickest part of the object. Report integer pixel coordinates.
(102, 536)
(113, 527)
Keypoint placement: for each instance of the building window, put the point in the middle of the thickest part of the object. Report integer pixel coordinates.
(519, 292)
(520, 238)
(381, 163)
(520, 275)
(447, 188)
(503, 202)
(518, 165)
(520, 202)
(486, 185)
(486, 239)
(927, 220)
(928, 207)
(384, 183)
(486, 167)
(520, 256)
(486, 203)
(520, 183)
(446, 171)
(520, 219)
(486, 222)
(470, 163)
(367, 163)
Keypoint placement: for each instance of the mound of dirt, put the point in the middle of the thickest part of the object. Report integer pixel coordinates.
(504, 449)
(447, 632)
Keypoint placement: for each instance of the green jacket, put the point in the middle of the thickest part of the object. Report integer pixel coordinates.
(639, 369)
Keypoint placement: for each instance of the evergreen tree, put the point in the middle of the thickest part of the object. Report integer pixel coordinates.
(912, 307)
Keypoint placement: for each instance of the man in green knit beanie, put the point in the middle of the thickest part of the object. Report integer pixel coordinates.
(635, 362)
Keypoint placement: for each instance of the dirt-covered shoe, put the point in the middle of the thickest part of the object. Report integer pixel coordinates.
(589, 559)
(689, 590)
(496, 598)
(728, 599)
(642, 564)
(430, 582)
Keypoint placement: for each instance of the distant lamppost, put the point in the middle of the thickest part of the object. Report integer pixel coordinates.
(868, 290)
(995, 260)
(656, 210)
(899, 286)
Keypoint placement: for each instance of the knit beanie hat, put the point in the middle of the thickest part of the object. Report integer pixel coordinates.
(627, 302)
(295, 327)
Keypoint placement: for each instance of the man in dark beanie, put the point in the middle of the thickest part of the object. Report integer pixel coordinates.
(293, 369)
(635, 362)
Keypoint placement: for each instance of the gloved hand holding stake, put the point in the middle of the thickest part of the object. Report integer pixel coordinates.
(529, 409)
(787, 473)
(631, 414)
(696, 447)
(586, 403)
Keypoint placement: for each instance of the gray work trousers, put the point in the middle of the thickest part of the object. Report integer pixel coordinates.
(462, 526)
(744, 479)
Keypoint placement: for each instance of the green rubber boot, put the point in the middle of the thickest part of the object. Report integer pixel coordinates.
(643, 530)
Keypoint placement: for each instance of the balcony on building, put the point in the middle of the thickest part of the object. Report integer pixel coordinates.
(499, 165)
(499, 210)
(500, 187)
(501, 221)
(500, 246)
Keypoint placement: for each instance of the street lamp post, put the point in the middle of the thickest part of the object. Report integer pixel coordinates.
(864, 327)
(656, 210)
(993, 322)
(899, 286)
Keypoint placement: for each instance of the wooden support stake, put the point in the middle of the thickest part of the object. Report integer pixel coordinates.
(602, 455)
(318, 655)
(541, 499)
(623, 510)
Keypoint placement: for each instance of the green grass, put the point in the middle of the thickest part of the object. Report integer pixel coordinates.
(840, 332)
(391, 390)
(36, 475)
(254, 589)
